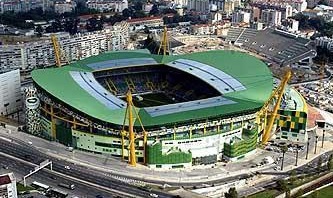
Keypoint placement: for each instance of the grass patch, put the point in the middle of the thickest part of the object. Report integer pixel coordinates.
(324, 193)
(20, 187)
(271, 193)
(306, 179)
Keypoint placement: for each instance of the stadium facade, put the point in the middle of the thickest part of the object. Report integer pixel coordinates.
(197, 108)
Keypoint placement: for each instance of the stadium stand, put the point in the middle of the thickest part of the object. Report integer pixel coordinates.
(163, 81)
(281, 47)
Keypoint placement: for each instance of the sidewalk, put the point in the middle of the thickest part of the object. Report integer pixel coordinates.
(114, 165)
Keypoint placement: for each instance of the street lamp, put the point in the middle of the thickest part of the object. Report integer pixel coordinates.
(315, 151)
(296, 154)
(322, 141)
(307, 148)
(284, 150)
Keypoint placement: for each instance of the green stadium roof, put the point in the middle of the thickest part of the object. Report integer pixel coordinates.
(248, 70)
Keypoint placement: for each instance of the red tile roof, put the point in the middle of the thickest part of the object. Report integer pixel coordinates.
(4, 180)
(143, 19)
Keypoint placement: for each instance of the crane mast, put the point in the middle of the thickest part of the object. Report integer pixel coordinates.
(276, 95)
(56, 47)
(164, 43)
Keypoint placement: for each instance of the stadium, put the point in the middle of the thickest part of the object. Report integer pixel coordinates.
(196, 108)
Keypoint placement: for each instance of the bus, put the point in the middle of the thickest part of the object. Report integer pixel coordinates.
(39, 185)
(68, 186)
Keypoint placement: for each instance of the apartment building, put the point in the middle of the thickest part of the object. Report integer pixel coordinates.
(40, 54)
(10, 92)
(108, 5)
(8, 186)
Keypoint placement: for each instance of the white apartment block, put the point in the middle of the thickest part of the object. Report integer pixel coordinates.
(23, 6)
(10, 92)
(182, 3)
(325, 42)
(240, 17)
(64, 6)
(8, 186)
(271, 17)
(203, 29)
(229, 6)
(198, 5)
(108, 5)
(40, 54)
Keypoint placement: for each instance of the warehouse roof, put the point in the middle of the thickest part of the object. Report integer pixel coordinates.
(249, 72)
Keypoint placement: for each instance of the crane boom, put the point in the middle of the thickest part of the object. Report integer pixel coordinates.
(279, 93)
(56, 48)
(164, 42)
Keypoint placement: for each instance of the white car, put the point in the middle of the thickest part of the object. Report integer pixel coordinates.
(153, 195)
(67, 167)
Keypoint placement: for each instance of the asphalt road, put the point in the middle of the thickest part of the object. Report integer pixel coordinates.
(309, 168)
(28, 153)
(51, 179)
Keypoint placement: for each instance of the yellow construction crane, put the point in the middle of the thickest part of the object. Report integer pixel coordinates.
(164, 43)
(130, 133)
(276, 97)
(57, 51)
(56, 47)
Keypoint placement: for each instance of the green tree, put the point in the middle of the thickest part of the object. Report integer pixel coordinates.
(232, 193)
(288, 193)
(299, 193)
(292, 177)
(39, 30)
(127, 13)
(154, 10)
(282, 185)
(315, 194)
(330, 163)
(319, 163)
(284, 149)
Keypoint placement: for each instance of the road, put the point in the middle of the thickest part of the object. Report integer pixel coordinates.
(28, 153)
(51, 179)
(308, 168)
(116, 175)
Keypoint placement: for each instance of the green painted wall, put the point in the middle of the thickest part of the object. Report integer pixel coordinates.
(247, 144)
(101, 144)
(155, 156)
(64, 134)
(46, 128)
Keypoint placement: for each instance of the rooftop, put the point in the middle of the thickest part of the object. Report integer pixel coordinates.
(251, 84)
(4, 179)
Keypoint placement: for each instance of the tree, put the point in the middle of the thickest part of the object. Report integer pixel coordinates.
(284, 149)
(138, 5)
(282, 185)
(323, 2)
(330, 163)
(315, 194)
(299, 193)
(319, 163)
(232, 193)
(154, 10)
(292, 177)
(94, 24)
(127, 13)
(70, 25)
(288, 193)
(303, 21)
(39, 30)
